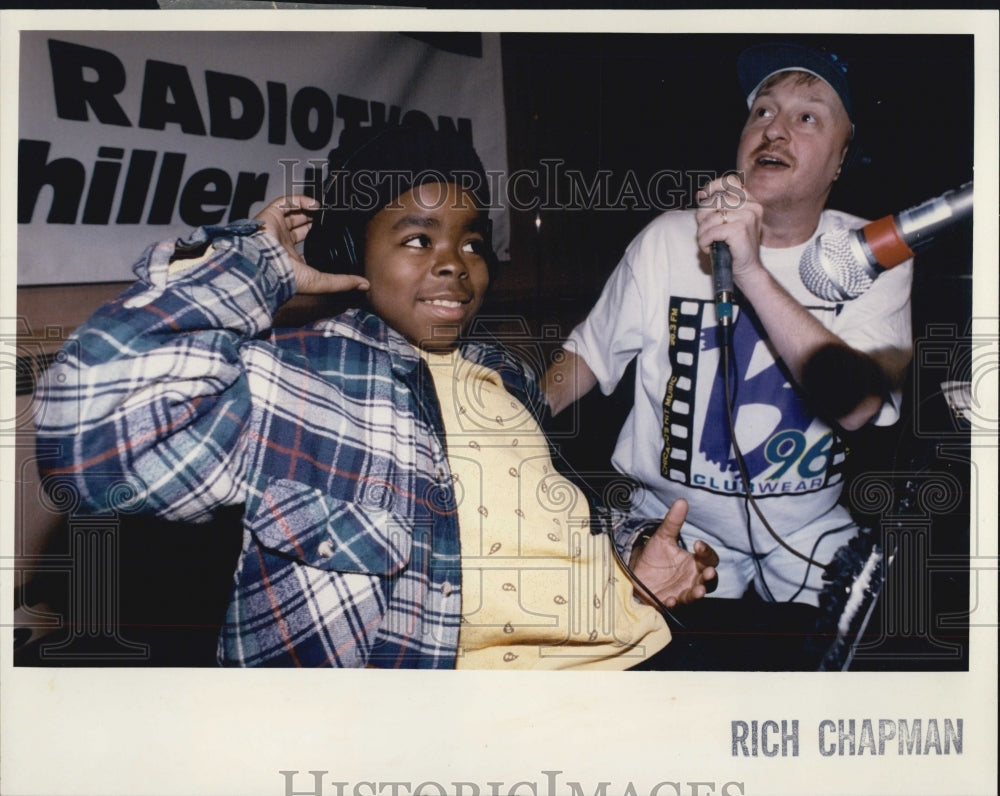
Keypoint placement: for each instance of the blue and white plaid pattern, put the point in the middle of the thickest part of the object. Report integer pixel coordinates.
(331, 437)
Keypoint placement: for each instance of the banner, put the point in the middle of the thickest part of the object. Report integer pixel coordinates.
(127, 138)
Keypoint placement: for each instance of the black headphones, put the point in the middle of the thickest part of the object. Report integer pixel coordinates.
(335, 242)
(332, 244)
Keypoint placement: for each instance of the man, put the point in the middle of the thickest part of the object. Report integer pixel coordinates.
(800, 368)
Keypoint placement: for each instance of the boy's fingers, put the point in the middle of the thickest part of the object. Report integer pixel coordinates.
(706, 554)
(295, 202)
(674, 519)
(319, 282)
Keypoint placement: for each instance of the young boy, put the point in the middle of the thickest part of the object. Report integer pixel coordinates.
(401, 508)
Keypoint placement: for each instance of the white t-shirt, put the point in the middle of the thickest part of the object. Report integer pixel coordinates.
(658, 306)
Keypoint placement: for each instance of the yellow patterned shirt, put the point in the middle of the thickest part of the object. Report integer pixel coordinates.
(539, 591)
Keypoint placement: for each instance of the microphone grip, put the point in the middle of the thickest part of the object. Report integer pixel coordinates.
(919, 224)
(722, 271)
(888, 241)
(722, 283)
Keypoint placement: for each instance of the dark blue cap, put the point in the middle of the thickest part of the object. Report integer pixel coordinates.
(757, 63)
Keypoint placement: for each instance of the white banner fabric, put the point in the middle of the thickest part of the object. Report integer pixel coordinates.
(127, 138)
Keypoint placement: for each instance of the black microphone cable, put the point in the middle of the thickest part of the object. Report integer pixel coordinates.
(749, 501)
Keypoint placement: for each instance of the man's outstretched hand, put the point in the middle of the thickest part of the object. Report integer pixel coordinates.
(675, 575)
(287, 219)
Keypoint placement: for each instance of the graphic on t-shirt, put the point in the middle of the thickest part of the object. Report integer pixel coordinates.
(785, 448)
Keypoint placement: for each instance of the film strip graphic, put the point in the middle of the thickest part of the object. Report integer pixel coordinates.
(685, 327)
(796, 456)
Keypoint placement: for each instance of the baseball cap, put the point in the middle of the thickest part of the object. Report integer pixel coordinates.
(758, 62)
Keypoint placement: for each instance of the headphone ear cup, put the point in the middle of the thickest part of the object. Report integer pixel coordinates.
(350, 255)
(332, 247)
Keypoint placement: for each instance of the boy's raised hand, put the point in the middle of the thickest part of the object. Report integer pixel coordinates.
(673, 574)
(287, 219)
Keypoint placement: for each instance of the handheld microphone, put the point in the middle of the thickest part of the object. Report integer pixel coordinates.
(843, 263)
(722, 283)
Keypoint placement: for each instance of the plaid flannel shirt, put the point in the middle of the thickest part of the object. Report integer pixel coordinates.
(178, 398)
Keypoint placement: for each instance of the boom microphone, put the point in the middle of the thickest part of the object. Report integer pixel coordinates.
(843, 263)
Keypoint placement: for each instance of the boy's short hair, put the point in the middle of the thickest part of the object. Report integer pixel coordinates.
(369, 170)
